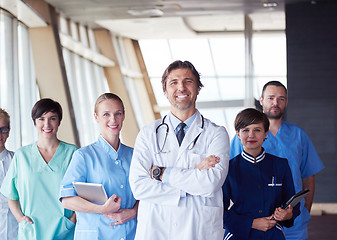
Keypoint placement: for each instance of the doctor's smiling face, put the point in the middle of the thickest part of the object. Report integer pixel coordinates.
(109, 114)
(182, 90)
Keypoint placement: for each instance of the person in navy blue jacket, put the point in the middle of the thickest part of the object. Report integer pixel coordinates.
(257, 185)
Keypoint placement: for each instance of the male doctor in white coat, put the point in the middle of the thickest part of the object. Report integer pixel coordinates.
(179, 186)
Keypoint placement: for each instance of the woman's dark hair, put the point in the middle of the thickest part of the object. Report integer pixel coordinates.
(46, 105)
(180, 65)
(250, 116)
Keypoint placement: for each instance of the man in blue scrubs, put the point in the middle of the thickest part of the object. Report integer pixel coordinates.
(288, 141)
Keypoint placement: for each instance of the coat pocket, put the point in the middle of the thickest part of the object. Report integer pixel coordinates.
(65, 229)
(26, 231)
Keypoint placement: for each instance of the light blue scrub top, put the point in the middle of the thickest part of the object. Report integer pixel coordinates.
(36, 185)
(100, 163)
(291, 142)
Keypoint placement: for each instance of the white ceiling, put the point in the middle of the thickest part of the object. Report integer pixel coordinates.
(140, 19)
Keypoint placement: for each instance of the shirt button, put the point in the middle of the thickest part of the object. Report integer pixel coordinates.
(122, 238)
(258, 186)
(256, 166)
(122, 186)
(260, 211)
(116, 162)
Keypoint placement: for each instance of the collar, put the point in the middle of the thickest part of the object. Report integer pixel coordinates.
(107, 147)
(3, 154)
(175, 121)
(251, 159)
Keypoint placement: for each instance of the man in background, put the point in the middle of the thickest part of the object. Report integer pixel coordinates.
(288, 141)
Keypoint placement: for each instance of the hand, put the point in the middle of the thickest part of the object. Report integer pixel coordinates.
(263, 224)
(112, 205)
(283, 214)
(121, 216)
(73, 218)
(208, 162)
(27, 219)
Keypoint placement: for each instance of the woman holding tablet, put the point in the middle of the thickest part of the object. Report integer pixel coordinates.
(32, 183)
(258, 184)
(107, 162)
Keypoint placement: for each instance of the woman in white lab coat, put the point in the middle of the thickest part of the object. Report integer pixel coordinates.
(8, 223)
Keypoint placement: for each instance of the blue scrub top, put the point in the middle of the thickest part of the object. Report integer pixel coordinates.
(100, 163)
(291, 142)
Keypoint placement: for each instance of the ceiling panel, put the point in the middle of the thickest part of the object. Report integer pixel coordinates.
(173, 18)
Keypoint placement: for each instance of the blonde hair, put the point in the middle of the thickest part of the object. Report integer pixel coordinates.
(5, 115)
(106, 96)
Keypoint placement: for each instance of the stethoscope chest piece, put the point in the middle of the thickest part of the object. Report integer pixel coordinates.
(163, 129)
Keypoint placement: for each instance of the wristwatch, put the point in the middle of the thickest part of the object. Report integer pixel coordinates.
(156, 172)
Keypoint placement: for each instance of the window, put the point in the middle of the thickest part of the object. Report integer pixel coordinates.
(85, 78)
(18, 89)
(221, 63)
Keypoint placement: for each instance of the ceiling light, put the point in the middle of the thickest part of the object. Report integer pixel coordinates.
(146, 12)
(269, 4)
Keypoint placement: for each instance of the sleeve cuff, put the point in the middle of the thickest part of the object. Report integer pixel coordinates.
(67, 192)
(166, 175)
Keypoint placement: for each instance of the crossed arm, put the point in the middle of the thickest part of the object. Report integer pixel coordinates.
(205, 164)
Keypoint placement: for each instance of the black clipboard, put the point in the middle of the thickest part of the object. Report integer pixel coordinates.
(295, 199)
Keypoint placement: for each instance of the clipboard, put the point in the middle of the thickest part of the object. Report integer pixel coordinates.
(93, 192)
(295, 199)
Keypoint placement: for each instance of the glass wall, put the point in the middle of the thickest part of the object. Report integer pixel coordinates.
(18, 88)
(270, 60)
(130, 75)
(85, 78)
(221, 63)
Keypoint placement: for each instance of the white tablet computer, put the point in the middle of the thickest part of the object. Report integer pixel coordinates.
(93, 192)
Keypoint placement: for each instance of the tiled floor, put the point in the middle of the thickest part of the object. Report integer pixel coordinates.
(323, 227)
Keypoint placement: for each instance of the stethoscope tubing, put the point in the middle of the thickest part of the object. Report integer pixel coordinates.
(167, 131)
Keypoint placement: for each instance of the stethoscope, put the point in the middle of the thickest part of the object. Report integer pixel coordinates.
(166, 134)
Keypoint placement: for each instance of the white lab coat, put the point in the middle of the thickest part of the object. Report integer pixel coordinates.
(8, 223)
(188, 205)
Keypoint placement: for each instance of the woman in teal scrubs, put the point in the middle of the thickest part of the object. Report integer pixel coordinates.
(32, 183)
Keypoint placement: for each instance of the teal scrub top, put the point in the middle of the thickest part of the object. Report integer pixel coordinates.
(36, 185)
